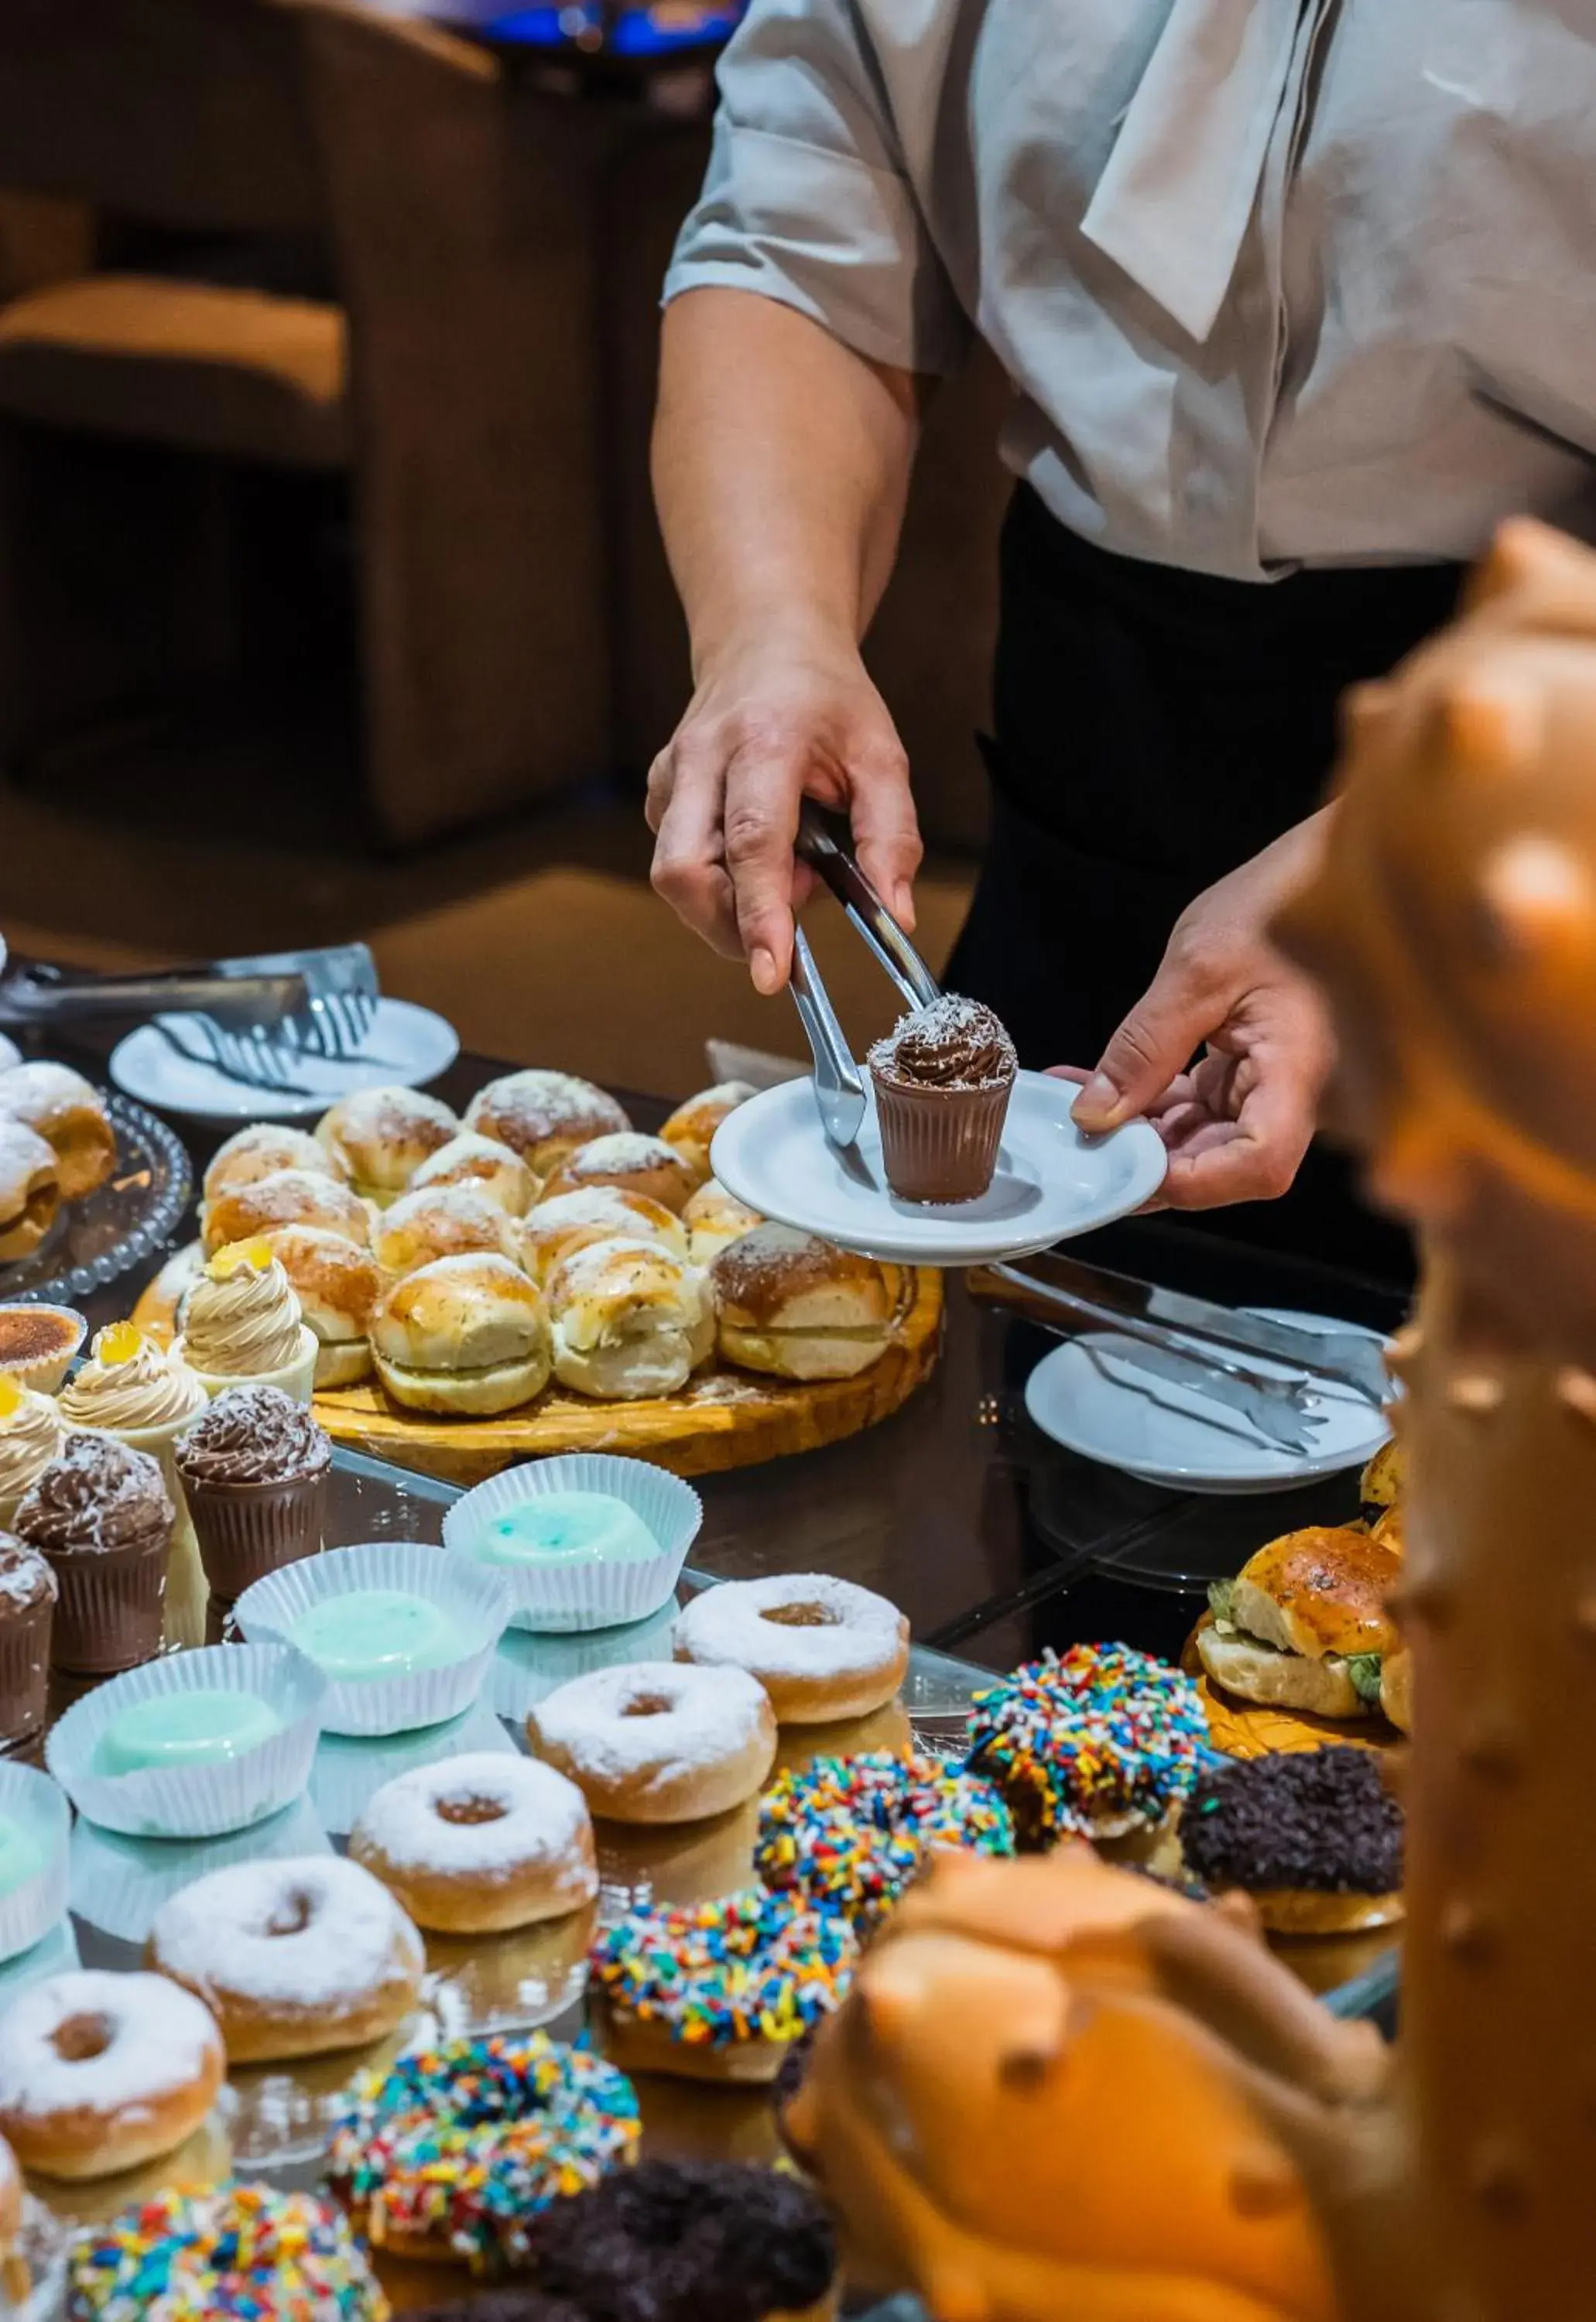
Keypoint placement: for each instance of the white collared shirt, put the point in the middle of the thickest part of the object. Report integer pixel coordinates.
(1276, 281)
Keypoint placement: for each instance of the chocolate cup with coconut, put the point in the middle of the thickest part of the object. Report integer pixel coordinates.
(943, 1080)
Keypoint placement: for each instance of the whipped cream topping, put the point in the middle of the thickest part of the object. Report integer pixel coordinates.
(243, 1325)
(953, 1044)
(29, 1437)
(252, 1435)
(147, 1388)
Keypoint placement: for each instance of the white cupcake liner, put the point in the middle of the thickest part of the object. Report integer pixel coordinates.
(472, 1595)
(526, 1667)
(28, 1912)
(348, 1771)
(49, 1376)
(55, 1953)
(119, 1884)
(195, 1801)
(296, 1379)
(556, 1600)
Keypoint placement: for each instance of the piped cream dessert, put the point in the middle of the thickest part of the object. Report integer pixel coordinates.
(172, 1731)
(134, 1390)
(32, 1432)
(242, 1322)
(255, 1465)
(943, 1080)
(378, 1632)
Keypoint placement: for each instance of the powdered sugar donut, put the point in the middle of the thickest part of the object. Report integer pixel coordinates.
(649, 1742)
(821, 1648)
(296, 1957)
(479, 1842)
(101, 2072)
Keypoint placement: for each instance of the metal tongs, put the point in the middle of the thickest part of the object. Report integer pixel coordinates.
(839, 1084)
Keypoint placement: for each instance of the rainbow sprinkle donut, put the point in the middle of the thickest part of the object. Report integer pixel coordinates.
(850, 1834)
(1091, 1744)
(719, 1990)
(454, 2151)
(242, 2252)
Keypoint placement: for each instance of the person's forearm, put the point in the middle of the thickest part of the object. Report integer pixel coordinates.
(781, 463)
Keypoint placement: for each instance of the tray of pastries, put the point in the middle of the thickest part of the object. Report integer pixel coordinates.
(536, 1276)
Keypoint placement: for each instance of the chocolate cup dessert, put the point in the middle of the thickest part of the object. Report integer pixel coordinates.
(942, 1079)
(101, 1517)
(255, 1469)
(27, 1613)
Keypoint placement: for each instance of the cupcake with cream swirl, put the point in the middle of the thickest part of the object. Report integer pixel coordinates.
(243, 1325)
(32, 1431)
(133, 1389)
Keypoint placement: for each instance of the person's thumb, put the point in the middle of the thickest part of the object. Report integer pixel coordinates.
(1155, 1042)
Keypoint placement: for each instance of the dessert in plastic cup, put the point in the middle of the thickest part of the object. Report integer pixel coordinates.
(102, 1517)
(242, 1324)
(28, 1592)
(135, 1389)
(39, 1345)
(254, 1465)
(32, 1432)
(943, 1077)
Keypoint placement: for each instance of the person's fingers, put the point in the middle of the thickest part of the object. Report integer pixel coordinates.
(1254, 1158)
(1076, 1072)
(687, 870)
(1154, 1044)
(886, 833)
(760, 823)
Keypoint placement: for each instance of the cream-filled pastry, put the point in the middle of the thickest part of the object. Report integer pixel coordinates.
(469, 1159)
(241, 1320)
(29, 1189)
(798, 1307)
(465, 1336)
(70, 1113)
(553, 1229)
(289, 1197)
(629, 1319)
(338, 1287)
(443, 1222)
(636, 1164)
(381, 1136)
(714, 1218)
(542, 1116)
(691, 1127)
(261, 1150)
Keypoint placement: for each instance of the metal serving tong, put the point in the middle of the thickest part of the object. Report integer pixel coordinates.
(839, 1084)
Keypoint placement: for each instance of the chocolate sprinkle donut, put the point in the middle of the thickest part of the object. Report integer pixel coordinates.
(1316, 1820)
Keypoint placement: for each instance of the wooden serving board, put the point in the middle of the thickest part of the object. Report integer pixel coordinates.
(1250, 1729)
(723, 1418)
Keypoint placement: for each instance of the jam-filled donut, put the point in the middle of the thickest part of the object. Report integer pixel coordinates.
(101, 2072)
(293, 1958)
(849, 1834)
(822, 1647)
(244, 2252)
(648, 1742)
(479, 1844)
(1094, 1743)
(719, 1990)
(453, 2152)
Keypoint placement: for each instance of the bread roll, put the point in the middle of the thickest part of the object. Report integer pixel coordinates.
(1383, 1478)
(443, 1222)
(637, 1164)
(261, 1150)
(338, 1287)
(1289, 1629)
(798, 1307)
(543, 1115)
(380, 1137)
(293, 1197)
(465, 1336)
(1396, 1688)
(714, 1219)
(553, 1230)
(629, 1319)
(29, 1189)
(691, 1127)
(469, 1159)
(64, 1109)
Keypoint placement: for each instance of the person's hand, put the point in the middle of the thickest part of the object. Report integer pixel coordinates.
(771, 722)
(1237, 1122)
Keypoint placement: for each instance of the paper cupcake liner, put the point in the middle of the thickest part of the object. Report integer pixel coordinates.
(109, 1612)
(49, 1375)
(248, 1531)
(119, 1884)
(527, 1667)
(348, 1769)
(195, 1801)
(24, 1672)
(473, 1596)
(557, 1600)
(28, 1912)
(55, 1953)
(939, 1146)
(295, 1379)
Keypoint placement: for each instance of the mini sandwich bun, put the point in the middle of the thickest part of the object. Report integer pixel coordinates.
(554, 1229)
(1396, 1688)
(381, 1136)
(1288, 1629)
(798, 1307)
(443, 1222)
(1384, 1479)
(289, 1197)
(465, 1337)
(637, 1164)
(542, 1116)
(714, 1218)
(469, 1159)
(261, 1150)
(338, 1287)
(691, 1127)
(629, 1319)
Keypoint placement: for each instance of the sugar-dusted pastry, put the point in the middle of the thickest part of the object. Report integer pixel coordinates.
(261, 1150)
(241, 1322)
(714, 1218)
(70, 1113)
(29, 1189)
(554, 1229)
(465, 1336)
(691, 1127)
(792, 1304)
(637, 1164)
(100, 2071)
(32, 1433)
(338, 1287)
(380, 1137)
(543, 1115)
(291, 1197)
(1306, 1622)
(823, 1648)
(628, 1319)
(493, 1168)
(657, 1741)
(943, 1077)
(443, 1222)
(479, 1844)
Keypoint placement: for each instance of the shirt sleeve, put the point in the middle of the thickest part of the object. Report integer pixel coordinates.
(807, 199)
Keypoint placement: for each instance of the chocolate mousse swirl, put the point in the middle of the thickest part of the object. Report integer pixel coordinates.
(953, 1044)
(99, 1493)
(252, 1435)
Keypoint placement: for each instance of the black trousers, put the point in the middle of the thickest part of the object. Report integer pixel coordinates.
(1153, 730)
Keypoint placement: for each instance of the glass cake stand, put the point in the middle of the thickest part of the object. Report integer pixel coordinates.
(131, 1216)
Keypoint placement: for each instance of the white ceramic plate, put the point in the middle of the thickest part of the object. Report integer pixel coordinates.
(405, 1047)
(1088, 1396)
(1052, 1181)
